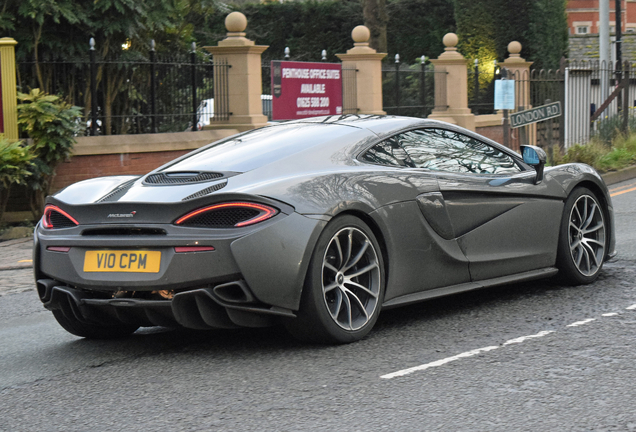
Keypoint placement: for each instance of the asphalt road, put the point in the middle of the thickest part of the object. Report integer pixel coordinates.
(533, 356)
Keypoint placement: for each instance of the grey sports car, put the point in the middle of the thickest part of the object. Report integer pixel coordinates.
(317, 224)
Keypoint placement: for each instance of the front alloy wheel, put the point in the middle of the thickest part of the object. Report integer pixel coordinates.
(587, 235)
(583, 238)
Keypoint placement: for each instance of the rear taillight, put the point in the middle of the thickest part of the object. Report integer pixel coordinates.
(55, 217)
(227, 215)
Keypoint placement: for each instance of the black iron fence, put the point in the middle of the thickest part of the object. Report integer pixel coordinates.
(597, 101)
(134, 93)
(410, 90)
(481, 88)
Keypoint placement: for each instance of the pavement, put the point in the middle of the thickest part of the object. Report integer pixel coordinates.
(16, 266)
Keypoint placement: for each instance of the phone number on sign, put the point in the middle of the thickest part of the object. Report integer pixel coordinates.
(313, 102)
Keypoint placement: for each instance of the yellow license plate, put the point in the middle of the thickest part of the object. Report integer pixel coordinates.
(122, 261)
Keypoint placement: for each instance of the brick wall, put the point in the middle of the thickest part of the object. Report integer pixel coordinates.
(495, 133)
(115, 155)
(90, 166)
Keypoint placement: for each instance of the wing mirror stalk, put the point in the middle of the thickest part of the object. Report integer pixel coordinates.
(535, 157)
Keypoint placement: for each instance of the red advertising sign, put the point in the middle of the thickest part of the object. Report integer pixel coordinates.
(303, 89)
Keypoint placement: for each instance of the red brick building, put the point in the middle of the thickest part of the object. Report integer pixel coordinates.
(583, 16)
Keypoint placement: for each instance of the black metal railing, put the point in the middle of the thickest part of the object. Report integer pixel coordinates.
(135, 93)
(410, 90)
(481, 88)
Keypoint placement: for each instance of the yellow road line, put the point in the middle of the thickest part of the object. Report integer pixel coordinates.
(25, 261)
(622, 187)
(622, 192)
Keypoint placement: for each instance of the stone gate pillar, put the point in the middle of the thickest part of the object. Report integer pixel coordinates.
(519, 70)
(9, 120)
(368, 63)
(454, 109)
(244, 84)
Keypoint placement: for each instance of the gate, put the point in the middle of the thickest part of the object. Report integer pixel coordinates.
(533, 89)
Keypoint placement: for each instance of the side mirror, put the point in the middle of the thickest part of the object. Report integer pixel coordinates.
(536, 157)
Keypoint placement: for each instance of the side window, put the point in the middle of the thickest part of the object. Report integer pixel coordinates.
(388, 152)
(443, 150)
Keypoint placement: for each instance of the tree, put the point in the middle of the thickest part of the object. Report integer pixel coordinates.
(486, 27)
(476, 29)
(548, 33)
(45, 12)
(376, 19)
(417, 27)
(305, 27)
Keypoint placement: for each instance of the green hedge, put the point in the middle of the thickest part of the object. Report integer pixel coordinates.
(486, 27)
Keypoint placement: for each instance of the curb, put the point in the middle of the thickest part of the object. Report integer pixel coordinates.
(614, 177)
(17, 266)
(15, 241)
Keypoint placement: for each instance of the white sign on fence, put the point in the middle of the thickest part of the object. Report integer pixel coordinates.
(504, 94)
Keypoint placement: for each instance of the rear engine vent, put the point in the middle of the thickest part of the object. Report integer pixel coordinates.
(206, 191)
(123, 232)
(55, 217)
(227, 215)
(116, 193)
(174, 178)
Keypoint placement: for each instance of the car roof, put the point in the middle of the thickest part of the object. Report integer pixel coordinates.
(321, 137)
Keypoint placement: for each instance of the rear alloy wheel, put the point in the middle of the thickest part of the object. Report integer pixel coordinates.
(344, 288)
(582, 241)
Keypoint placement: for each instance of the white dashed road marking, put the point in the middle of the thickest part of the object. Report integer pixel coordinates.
(579, 323)
(524, 338)
(438, 362)
(490, 348)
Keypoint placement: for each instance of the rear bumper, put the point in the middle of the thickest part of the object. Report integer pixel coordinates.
(271, 258)
(201, 309)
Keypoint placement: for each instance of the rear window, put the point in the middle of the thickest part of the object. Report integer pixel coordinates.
(263, 146)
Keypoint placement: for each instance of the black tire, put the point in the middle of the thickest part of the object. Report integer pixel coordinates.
(582, 238)
(92, 331)
(343, 291)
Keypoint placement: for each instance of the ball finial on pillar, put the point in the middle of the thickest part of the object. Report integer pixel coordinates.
(235, 22)
(450, 41)
(514, 48)
(360, 34)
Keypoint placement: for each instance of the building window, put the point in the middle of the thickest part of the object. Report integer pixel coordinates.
(582, 29)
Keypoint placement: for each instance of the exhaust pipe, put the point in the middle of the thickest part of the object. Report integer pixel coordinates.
(234, 292)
